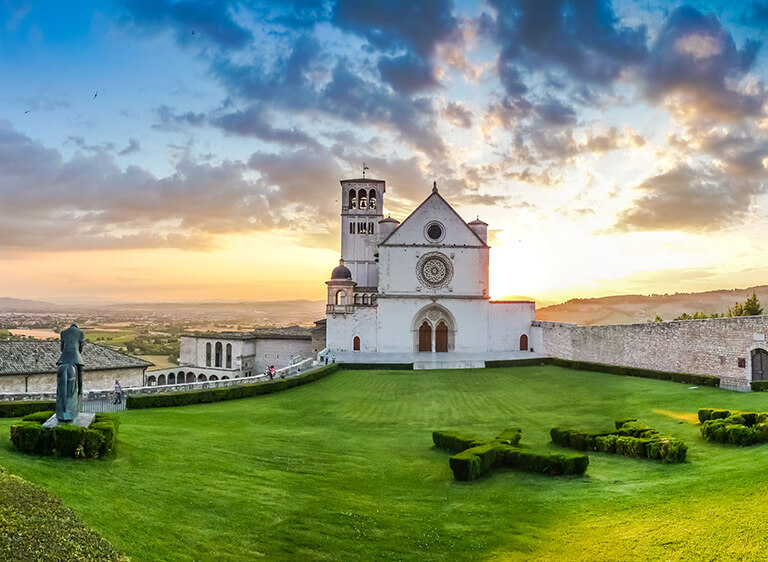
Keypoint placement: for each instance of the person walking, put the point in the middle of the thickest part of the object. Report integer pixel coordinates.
(118, 393)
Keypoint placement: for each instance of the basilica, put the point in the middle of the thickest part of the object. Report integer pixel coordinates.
(416, 287)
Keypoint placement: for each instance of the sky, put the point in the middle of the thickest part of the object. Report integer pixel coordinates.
(161, 150)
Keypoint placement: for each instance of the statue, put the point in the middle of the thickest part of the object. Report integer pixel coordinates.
(69, 377)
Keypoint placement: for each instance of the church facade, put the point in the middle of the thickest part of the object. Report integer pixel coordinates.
(420, 286)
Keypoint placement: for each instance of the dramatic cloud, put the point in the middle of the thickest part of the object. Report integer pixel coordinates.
(255, 122)
(458, 114)
(583, 40)
(694, 68)
(687, 198)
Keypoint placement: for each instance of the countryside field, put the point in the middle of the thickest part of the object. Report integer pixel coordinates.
(344, 468)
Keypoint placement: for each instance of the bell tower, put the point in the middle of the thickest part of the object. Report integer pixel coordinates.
(362, 207)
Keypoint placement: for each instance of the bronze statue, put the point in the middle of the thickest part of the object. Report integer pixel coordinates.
(69, 378)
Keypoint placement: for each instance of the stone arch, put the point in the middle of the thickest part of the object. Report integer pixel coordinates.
(357, 298)
(161, 380)
(213, 378)
(362, 199)
(229, 356)
(365, 299)
(208, 354)
(352, 199)
(171, 378)
(340, 297)
(201, 378)
(217, 363)
(225, 378)
(191, 378)
(524, 342)
(356, 343)
(433, 315)
(372, 199)
(151, 380)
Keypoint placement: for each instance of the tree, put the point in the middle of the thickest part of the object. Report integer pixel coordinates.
(658, 319)
(752, 306)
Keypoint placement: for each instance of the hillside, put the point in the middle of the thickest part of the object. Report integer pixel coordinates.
(8, 304)
(625, 309)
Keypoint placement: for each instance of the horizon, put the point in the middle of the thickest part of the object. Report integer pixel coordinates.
(160, 152)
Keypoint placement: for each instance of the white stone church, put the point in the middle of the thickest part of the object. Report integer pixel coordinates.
(417, 290)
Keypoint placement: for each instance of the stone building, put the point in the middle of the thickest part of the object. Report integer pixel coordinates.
(30, 366)
(416, 287)
(243, 354)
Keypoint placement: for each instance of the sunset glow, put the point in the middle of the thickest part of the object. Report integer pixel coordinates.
(192, 150)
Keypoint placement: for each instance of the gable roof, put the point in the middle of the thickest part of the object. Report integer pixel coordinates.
(434, 194)
(40, 356)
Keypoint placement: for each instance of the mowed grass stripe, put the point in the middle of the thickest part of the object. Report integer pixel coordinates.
(344, 468)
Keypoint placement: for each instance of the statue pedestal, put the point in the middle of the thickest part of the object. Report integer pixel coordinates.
(82, 420)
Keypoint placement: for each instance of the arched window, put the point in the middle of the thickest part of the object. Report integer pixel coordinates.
(523, 343)
(365, 299)
(363, 199)
(357, 298)
(208, 354)
(340, 297)
(190, 377)
(351, 228)
(161, 380)
(151, 380)
(372, 199)
(229, 356)
(225, 378)
(217, 362)
(172, 378)
(352, 199)
(356, 344)
(213, 378)
(201, 378)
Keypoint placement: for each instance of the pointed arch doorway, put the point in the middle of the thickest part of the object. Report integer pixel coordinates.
(759, 364)
(434, 329)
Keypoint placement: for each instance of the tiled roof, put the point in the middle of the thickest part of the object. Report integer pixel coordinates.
(25, 357)
(289, 333)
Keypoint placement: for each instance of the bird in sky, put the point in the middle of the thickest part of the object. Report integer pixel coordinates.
(96, 94)
(27, 111)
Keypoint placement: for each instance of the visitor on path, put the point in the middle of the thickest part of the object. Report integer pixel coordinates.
(118, 393)
(333, 358)
(271, 372)
(326, 359)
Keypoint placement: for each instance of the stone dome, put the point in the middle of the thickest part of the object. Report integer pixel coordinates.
(341, 271)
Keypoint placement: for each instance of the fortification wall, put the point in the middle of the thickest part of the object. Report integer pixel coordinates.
(720, 347)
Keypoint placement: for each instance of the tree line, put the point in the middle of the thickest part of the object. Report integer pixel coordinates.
(750, 307)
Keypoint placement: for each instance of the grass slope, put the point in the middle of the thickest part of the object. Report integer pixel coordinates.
(344, 468)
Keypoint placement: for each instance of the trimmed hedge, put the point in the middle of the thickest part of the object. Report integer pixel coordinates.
(759, 386)
(29, 436)
(735, 428)
(687, 378)
(19, 409)
(40, 417)
(474, 458)
(631, 439)
(503, 363)
(164, 400)
(377, 366)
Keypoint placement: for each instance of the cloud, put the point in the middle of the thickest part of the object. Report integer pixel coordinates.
(535, 145)
(458, 114)
(410, 30)
(133, 146)
(694, 67)
(687, 198)
(254, 122)
(584, 40)
(89, 202)
(193, 21)
(171, 121)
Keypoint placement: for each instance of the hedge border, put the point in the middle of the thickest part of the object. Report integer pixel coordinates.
(734, 427)
(687, 378)
(630, 439)
(19, 409)
(97, 440)
(759, 386)
(528, 362)
(376, 366)
(206, 396)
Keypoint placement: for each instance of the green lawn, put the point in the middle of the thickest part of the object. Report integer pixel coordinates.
(344, 468)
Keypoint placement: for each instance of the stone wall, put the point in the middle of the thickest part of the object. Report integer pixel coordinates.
(92, 380)
(713, 346)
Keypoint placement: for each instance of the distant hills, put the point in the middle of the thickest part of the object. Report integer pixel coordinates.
(8, 304)
(627, 309)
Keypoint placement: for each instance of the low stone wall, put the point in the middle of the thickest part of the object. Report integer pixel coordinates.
(714, 346)
(286, 372)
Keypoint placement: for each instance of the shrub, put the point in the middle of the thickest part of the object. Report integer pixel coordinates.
(454, 442)
(735, 428)
(18, 409)
(187, 398)
(25, 435)
(631, 439)
(92, 441)
(40, 417)
(510, 436)
(759, 386)
(66, 440)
